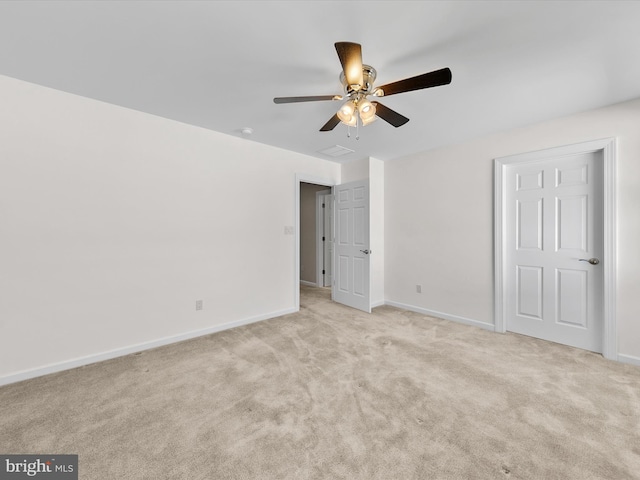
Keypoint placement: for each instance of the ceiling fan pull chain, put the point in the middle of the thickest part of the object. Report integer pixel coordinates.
(357, 127)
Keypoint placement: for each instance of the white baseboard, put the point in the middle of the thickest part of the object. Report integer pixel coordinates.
(622, 358)
(630, 359)
(445, 316)
(308, 284)
(378, 304)
(120, 352)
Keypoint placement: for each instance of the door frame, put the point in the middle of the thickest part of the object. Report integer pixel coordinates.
(302, 178)
(320, 212)
(608, 148)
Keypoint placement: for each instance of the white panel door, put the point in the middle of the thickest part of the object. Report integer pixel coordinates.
(351, 283)
(555, 226)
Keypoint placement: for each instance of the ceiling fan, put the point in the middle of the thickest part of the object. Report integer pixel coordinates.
(357, 79)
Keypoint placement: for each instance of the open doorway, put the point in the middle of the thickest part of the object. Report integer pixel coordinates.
(351, 273)
(306, 187)
(315, 235)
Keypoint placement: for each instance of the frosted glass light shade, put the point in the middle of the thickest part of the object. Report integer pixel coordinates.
(347, 113)
(367, 111)
(368, 120)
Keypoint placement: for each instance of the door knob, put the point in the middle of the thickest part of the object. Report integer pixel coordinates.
(592, 261)
(366, 252)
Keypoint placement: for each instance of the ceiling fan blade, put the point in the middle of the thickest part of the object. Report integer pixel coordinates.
(316, 98)
(390, 116)
(331, 124)
(350, 55)
(426, 80)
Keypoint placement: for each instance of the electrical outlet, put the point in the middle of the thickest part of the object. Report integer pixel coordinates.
(198, 304)
(418, 288)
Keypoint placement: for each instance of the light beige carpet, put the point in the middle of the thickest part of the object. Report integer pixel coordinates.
(332, 393)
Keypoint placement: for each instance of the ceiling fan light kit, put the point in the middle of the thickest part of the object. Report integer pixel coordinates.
(358, 80)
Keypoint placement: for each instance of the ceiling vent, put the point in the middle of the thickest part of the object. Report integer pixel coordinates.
(336, 151)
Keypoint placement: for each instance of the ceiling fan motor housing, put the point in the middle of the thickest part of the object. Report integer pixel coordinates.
(368, 75)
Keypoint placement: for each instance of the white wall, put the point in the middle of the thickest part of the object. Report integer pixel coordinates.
(439, 218)
(355, 170)
(114, 222)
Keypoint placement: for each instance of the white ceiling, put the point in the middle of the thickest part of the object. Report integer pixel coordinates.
(218, 64)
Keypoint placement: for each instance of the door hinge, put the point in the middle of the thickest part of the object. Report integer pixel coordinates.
(323, 272)
(323, 239)
(323, 205)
